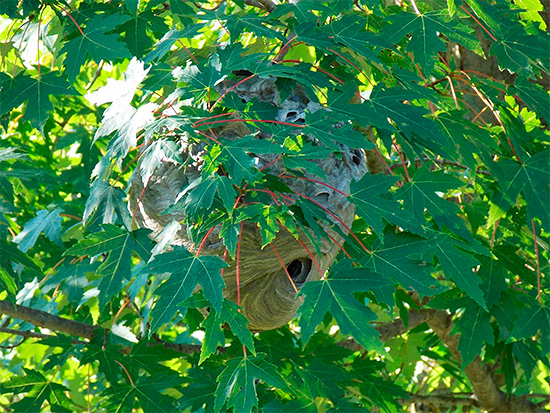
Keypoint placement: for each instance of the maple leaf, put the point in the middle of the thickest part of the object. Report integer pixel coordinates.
(96, 42)
(458, 262)
(214, 324)
(186, 271)
(119, 245)
(335, 294)
(397, 257)
(475, 328)
(529, 322)
(425, 29)
(37, 94)
(108, 202)
(531, 178)
(519, 51)
(37, 390)
(372, 207)
(9, 254)
(170, 37)
(422, 193)
(237, 24)
(326, 128)
(349, 31)
(136, 29)
(45, 221)
(237, 382)
(146, 390)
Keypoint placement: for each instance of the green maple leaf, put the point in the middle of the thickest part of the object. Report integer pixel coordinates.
(531, 178)
(457, 262)
(397, 257)
(146, 390)
(529, 322)
(425, 29)
(45, 221)
(475, 330)
(535, 96)
(37, 92)
(108, 203)
(373, 208)
(136, 29)
(37, 390)
(325, 127)
(118, 244)
(236, 24)
(409, 118)
(165, 43)
(236, 157)
(186, 271)
(266, 218)
(197, 197)
(466, 138)
(213, 335)
(519, 51)
(213, 325)
(335, 295)
(494, 275)
(73, 277)
(96, 42)
(161, 150)
(234, 57)
(421, 194)
(9, 253)
(349, 31)
(237, 382)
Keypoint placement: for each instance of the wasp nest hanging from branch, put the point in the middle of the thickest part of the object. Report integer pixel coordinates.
(267, 295)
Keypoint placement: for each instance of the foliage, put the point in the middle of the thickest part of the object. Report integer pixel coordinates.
(458, 221)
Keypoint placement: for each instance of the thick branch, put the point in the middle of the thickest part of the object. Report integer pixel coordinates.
(487, 394)
(486, 391)
(42, 319)
(62, 325)
(441, 400)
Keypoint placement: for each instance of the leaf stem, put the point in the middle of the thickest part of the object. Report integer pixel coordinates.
(538, 260)
(478, 22)
(204, 240)
(237, 268)
(337, 218)
(312, 257)
(284, 267)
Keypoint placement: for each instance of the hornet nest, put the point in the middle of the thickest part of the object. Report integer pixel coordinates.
(267, 296)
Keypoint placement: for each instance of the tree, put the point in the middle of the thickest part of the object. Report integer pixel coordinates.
(435, 290)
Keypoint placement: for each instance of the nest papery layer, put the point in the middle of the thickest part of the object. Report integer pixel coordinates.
(267, 295)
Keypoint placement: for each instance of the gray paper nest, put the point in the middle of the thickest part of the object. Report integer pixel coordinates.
(268, 298)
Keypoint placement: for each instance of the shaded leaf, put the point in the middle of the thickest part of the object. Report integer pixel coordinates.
(185, 272)
(237, 386)
(335, 294)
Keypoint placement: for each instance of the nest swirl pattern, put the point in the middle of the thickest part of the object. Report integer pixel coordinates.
(267, 295)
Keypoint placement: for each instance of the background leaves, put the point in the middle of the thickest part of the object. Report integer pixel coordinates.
(448, 102)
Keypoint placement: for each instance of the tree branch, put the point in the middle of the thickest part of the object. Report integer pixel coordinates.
(76, 328)
(441, 400)
(42, 319)
(487, 394)
(267, 5)
(486, 391)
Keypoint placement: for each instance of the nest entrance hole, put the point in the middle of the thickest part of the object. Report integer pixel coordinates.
(299, 270)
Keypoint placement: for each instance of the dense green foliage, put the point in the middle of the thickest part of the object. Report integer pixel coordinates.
(458, 220)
